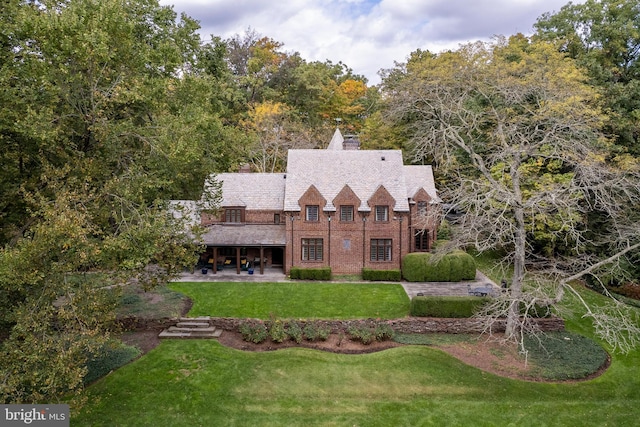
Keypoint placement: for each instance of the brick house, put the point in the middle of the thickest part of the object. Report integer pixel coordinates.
(341, 207)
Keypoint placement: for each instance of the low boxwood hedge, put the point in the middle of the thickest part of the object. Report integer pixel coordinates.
(381, 275)
(322, 273)
(444, 306)
(453, 267)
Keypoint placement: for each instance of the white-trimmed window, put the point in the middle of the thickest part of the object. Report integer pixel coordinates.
(381, 249)
(346, 213)
(312, 213)
(312, 249)
(382, 213)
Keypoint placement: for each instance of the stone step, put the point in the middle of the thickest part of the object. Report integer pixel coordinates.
(193, 325)
(177, 334)
(195, 330)
(195, 319)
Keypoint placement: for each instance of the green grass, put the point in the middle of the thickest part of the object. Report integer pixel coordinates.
(187, 383)
(198, 382)
(306, 300)
(136, 302)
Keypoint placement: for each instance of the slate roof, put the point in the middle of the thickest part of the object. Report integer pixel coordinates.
(330, 170)
(185, 209)
(364, 171)
(252, 190)
(418, 177)
(245, 235)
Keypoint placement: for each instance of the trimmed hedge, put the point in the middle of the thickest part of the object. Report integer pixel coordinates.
(448, 307)
(323, 273)
(453, 267)
(381, 275)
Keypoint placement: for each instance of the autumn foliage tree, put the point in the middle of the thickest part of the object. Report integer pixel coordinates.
(517, 132)
(104, 118)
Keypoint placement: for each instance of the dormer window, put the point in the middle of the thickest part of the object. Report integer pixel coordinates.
(233, 215)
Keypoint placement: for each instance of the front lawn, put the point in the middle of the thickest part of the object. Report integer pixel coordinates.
(193, 382)
(198, 382)
(296, 300)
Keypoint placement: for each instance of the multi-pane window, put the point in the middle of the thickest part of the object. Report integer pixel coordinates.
(346, 213)
(276, 218)
(382, 213)
(422, 209)
(312, 213)
(380, 249)
(422, 240)
(233, 215)
(312, 249)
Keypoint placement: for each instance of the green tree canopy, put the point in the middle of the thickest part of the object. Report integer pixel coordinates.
(604, 36)
(106, 115)
(516, 128)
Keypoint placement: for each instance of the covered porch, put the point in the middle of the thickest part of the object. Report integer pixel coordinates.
(250, 248)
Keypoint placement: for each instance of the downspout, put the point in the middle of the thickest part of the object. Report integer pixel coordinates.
(364, 240)
(400, 254)
(329, 242)
(292, 242)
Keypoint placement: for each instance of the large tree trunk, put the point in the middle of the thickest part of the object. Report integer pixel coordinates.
(513, 327)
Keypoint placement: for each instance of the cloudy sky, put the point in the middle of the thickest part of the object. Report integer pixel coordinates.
(366, 35)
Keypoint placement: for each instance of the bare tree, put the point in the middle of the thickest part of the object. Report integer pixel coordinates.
(516, 131)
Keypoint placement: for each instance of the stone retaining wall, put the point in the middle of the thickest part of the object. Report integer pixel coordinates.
(405, 325)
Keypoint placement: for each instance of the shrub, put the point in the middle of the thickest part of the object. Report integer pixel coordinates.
(316, 331)
(383, 332)
(381, 275)
(294, 331)
(110, 357)
(276, 329)
(323, 273)
(367, 332)
(323, 332)
(253, 331)
(453, 267)
(448, 307)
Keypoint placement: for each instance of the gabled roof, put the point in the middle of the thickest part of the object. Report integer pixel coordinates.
(364, 171)
(252, 190)
(418, 177)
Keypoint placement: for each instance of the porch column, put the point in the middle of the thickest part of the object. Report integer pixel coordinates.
(238, 260)
(215, 260)
(261, 260)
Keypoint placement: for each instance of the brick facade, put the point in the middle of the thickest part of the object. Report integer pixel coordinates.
(343, 209)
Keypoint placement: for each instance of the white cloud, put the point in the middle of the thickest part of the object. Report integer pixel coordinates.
(367, 35)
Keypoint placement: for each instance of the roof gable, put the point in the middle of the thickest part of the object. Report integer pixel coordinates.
(330, 170)
(420, 177)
